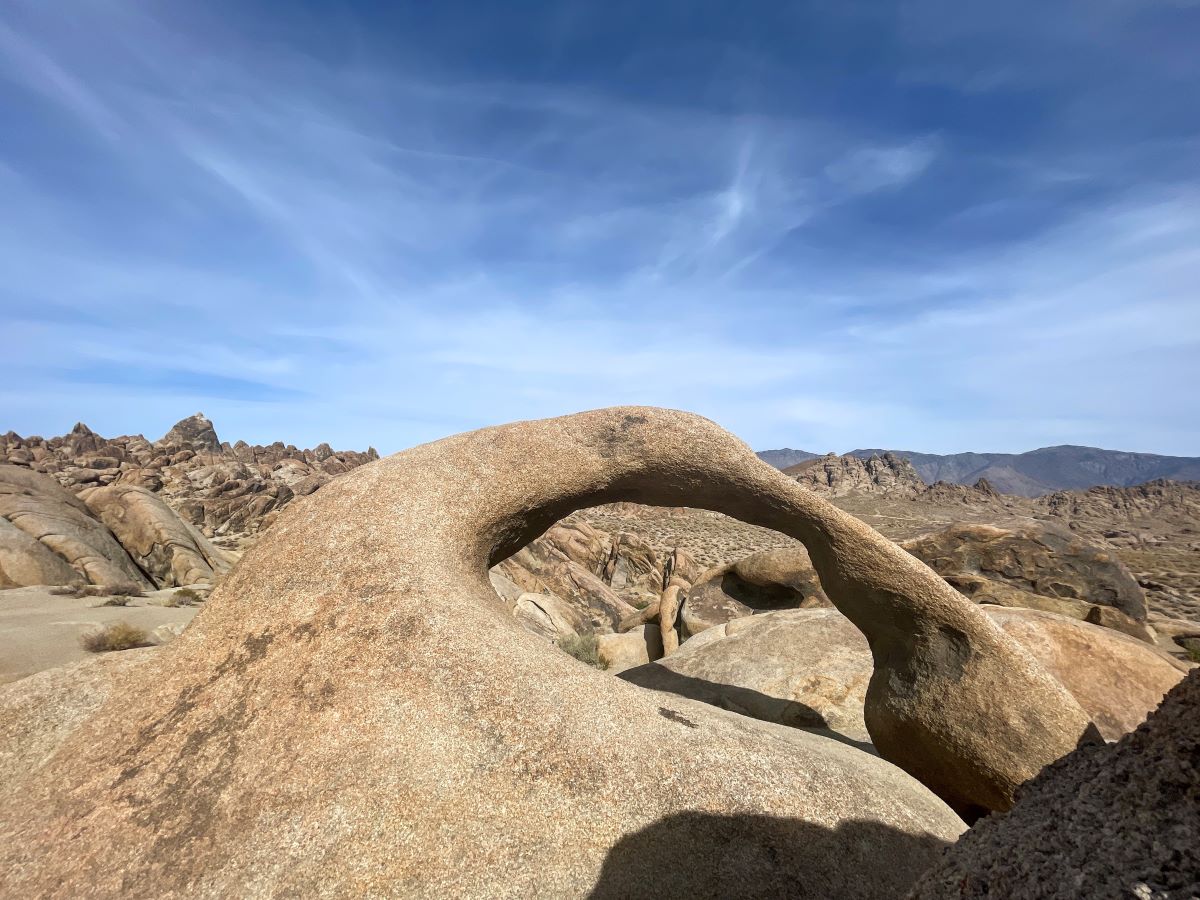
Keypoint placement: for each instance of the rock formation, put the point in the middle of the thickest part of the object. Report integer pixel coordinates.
(834, 475)
(773, 579)
(169, 550)
(226, 491)
(1113, 821)
(53, 521)
(354, 709)
(809, 668)
(1037, 557)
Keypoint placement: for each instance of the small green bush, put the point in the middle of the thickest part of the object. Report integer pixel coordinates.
(118, 636)
(584, 647)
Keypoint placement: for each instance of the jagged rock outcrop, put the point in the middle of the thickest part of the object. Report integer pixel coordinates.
(835, 476)
(809, 668)
(194, 433)
(169, 550)
(353, 711)
(59, 522)
(1121, 820)
(228, 492)
(1038, 557)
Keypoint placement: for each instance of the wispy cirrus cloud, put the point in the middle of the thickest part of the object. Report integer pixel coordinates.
(364, 230)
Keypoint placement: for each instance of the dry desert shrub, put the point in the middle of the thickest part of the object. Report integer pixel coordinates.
(118, 636)
(584, 647)
(184, 597)
(122, 600)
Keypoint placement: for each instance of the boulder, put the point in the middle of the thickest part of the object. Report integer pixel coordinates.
(804, 668)
(341, 721)
(619, 652)
(169, 549)
(195, 433)
(541, 568)
(772, 579)
(548, 616)
(1037, 556)
(1117, 679)
(24, 560)
(39, 507)
(1121, 820)
(810, 668)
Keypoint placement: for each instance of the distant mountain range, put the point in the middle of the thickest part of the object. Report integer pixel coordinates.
(1029, 474)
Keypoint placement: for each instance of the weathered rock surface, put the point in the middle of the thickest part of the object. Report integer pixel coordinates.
(24, 560)
(834, 476)
(630, 649)
(1039, 557)
(602, 578)
(548, 616)
(36, 505)
(809, 668)
(1114, 821)
(773, 579)
(339, 721)
(804, 668)
(169, 550)
(40, 711)
(1117, 679)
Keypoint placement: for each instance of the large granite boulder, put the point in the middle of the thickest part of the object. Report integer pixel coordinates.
(772, 579)
(163, 545)
(1039, 557)
(805, 668)
(1121, 820)
(24, 560)
(810, 668)
(38, 506)
(354, 711)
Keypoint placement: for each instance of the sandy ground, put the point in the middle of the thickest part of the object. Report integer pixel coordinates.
(39, 630)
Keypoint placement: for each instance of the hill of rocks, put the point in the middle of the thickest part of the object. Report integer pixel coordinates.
(1029, 474)
(148, 513)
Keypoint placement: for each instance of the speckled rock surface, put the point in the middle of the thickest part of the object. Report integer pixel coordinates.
(354, 711)
(39, 712)
(1116, 821)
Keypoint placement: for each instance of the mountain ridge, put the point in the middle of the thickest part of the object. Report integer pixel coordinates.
(1033, 473)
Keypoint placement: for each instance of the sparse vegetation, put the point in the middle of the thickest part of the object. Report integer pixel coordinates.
(640, 604)
(184, 597)
(1193, 653)
(584, 647)
(126, 589)
(118, 636)
(122, 600)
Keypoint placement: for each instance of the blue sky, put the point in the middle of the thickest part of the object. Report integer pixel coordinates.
(929, 225)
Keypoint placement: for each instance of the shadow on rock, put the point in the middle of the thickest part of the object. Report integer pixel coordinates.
(742, 700)
(694, 854)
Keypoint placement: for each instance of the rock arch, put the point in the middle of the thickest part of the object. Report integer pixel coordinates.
(353, 709)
